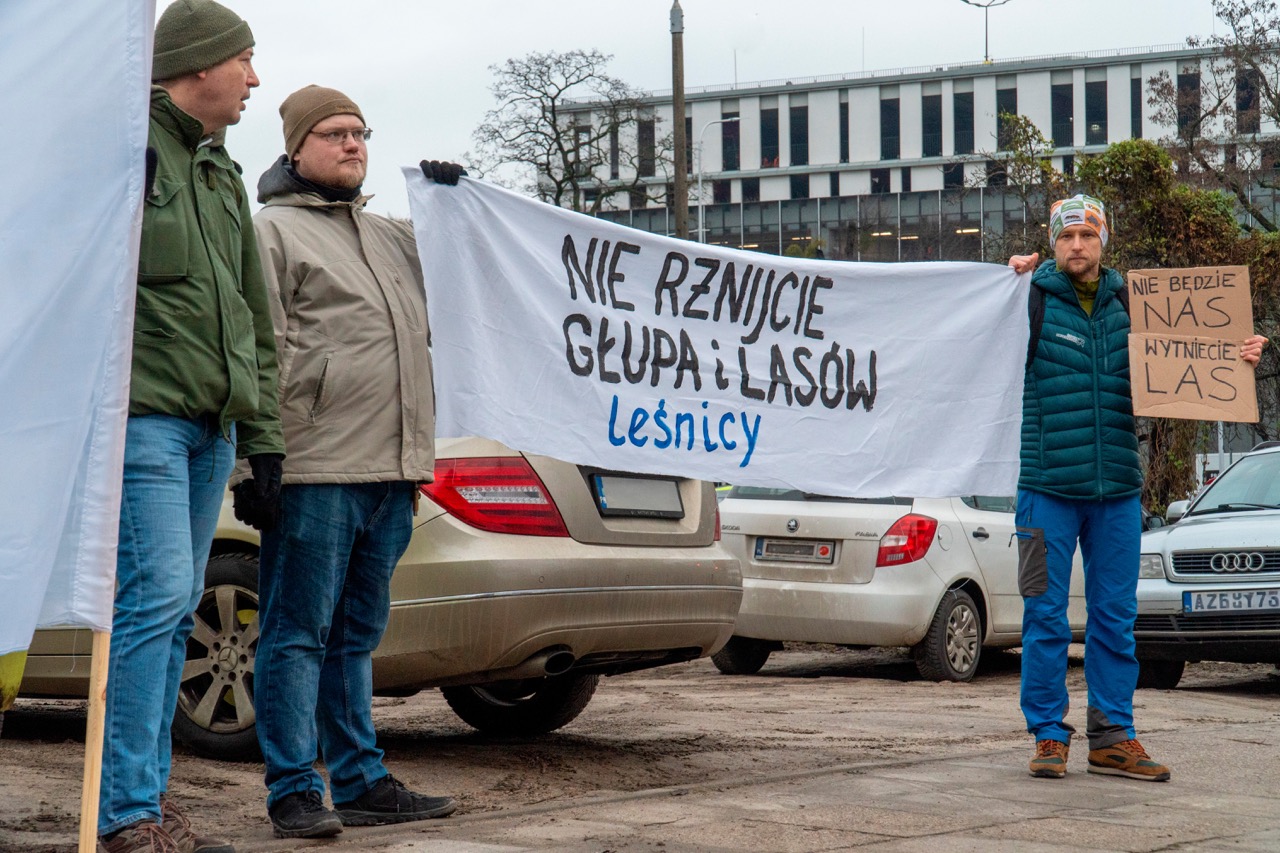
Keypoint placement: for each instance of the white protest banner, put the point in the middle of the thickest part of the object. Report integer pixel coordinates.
(79, 87)
(572, 337)
(1184, 346)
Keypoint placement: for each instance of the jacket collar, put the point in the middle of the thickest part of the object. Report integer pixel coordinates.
(278, 186)
(179, 124)
(314, 201)
(1052, 280)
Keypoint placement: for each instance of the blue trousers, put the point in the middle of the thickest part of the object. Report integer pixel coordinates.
(324, 598)
(1109, 535)
(175, 474)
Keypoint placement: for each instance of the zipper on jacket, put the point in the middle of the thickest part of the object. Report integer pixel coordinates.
(324, 374)
(1097, 401)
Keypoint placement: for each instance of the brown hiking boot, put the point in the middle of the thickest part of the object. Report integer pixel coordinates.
(178, 825)
(142, 837)
(1127, 758)
(1050, 761)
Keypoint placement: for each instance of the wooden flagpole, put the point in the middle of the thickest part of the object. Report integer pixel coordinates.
(101, 657)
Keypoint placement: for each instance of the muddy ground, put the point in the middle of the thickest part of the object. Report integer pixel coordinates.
(810, 707)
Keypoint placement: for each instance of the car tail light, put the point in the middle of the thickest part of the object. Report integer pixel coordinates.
(907, 540)
(499, 494)
(717, 522)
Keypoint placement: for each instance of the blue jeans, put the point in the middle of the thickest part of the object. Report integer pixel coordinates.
(1109, 534)
(324, 597)
(175, 473)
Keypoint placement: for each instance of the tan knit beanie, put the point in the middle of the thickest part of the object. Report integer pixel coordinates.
(306, 108)
(193, 35)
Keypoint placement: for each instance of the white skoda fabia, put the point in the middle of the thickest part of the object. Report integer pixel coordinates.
(936, 575)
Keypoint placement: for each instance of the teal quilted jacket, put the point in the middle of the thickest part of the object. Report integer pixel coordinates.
(1078, 438)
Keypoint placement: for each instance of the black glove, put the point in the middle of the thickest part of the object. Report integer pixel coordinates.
(149, 175)
(256, 501)
(442, 173)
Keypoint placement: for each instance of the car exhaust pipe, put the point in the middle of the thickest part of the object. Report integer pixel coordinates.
(558, 662)
(555, 661)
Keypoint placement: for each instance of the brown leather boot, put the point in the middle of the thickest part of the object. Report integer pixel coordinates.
(145, 836)
(179, 828)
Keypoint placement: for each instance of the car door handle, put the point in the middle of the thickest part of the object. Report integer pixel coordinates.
(981, 533)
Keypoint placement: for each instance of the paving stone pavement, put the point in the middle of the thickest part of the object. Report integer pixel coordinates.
(1222, 797)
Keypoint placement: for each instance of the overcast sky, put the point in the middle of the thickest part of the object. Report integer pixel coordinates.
(419, 69)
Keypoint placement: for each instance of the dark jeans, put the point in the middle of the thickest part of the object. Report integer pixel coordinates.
(324, 599)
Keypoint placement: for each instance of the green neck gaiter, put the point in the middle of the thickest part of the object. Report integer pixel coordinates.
(1086, 292)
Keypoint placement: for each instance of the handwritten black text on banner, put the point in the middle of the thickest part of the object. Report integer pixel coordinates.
(573, 337)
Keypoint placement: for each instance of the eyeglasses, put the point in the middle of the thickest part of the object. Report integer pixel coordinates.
(339, 137)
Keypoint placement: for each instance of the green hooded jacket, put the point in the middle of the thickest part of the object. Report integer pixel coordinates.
(202, 337)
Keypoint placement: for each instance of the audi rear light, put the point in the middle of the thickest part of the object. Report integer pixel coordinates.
(499, 494)
(907, 540)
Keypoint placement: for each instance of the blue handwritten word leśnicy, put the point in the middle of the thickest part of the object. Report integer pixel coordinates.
(679, 430)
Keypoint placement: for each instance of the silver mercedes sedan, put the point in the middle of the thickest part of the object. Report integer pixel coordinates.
(526, 580)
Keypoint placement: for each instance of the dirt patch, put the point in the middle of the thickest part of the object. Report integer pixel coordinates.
(810, 707)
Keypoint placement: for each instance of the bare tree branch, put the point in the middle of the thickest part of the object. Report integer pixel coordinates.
(1216, 122)
(572, 128)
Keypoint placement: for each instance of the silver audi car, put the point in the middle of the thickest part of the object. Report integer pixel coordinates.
(1209, 587)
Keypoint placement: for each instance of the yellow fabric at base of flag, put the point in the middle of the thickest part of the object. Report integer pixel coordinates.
(11, 667)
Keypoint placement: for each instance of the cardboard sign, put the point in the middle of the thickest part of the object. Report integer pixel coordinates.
(1206, 302)
(1201, 379)
(1184, 348)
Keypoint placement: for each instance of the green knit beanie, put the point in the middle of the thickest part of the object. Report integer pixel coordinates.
(193, 35)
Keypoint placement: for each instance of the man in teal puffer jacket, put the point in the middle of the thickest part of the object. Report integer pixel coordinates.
(1081, 481)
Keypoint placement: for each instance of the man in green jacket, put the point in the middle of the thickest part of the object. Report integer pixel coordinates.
(1081, 482)
(203, 389)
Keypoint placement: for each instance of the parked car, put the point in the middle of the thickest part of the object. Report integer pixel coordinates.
(1209, 585)
(526, 580)
(939, 576)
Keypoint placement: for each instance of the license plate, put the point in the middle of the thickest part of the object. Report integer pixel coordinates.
(1233, 601)
(638, 497)
(821, 551)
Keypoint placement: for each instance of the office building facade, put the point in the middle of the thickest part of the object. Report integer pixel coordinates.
(894, 165)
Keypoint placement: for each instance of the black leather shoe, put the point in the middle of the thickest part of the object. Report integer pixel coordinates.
(303, 815)
(389, 801)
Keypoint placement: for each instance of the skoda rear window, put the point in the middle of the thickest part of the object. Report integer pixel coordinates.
(764, 493)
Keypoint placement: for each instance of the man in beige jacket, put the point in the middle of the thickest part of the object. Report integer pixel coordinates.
(356, 402)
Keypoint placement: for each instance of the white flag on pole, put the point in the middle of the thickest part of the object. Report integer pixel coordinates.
(573, 337)
(77, 92)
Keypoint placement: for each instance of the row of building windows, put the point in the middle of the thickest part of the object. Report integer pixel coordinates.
(955, 176)
(1062, 125)
(992, 174)
(966, 224)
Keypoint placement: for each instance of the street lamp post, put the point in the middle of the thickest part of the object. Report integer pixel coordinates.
(702, 233)
(681, 183)
(986, 31)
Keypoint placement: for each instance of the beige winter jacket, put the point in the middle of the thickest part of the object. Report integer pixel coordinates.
(350, 318)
